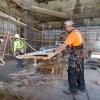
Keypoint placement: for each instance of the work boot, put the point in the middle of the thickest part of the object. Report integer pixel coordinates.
(82, 90)
(18, 66)
(67, 91)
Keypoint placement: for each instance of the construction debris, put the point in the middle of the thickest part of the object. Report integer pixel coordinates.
(96, 82)
(31, 79)
(95, 63)
(9, 92)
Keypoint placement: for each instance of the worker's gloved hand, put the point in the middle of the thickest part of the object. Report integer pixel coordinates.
(52, 50)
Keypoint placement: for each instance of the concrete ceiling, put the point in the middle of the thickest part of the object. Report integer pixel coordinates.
(66, 7)
(58, 10)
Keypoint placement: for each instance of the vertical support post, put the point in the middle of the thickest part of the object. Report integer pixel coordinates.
(35, 62)
(42, 35)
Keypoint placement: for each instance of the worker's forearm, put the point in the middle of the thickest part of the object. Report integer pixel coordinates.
(62, 47)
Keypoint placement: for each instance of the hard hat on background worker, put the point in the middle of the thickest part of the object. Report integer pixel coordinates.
(69, 23)
(17, 36)
(1, 40)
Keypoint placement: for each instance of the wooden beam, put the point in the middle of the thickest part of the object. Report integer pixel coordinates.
(65, 16)
(11, 19)
(49, 12)
(37, 30)
(17, 2)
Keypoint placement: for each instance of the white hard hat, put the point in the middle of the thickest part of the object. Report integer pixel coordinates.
(17, 36)
(1, 40)
(69, 22)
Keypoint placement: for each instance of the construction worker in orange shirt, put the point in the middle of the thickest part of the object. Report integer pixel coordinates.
(74, 40)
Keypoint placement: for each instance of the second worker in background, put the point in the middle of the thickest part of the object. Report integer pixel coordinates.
(19, 49)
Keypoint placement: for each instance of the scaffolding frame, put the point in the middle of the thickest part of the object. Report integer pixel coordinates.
(6, 38)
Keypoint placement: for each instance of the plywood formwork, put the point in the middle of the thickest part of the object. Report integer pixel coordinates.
(39, 55)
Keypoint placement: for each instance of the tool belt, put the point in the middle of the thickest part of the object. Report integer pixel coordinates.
(20, 51)
(75, 57)
(77, 51)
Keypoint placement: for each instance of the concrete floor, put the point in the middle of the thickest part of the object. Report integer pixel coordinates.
(53, 91)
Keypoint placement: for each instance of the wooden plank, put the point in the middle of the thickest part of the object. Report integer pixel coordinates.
(39, 55)
(24, 74)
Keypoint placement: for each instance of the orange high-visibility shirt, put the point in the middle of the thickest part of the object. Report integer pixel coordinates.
(74, 39)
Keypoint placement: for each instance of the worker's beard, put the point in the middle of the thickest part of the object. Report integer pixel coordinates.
(69, 32)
